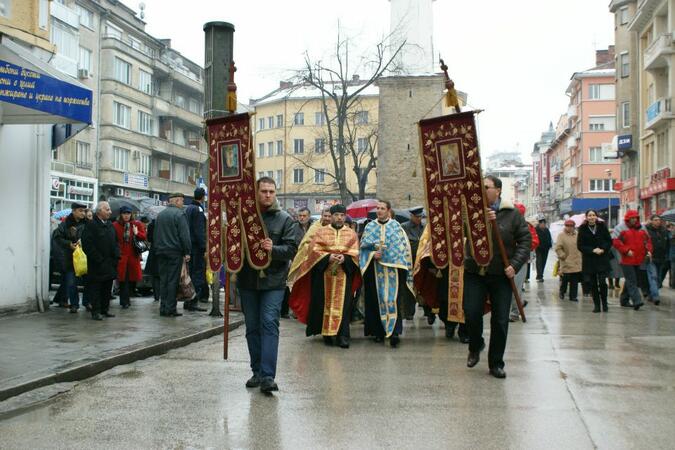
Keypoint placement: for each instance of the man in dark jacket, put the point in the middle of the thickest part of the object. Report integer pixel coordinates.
(494, 280)
(262, 292)
(304, 221)
(99, 242)
(171, 242)
(660, 248)
(197, 224)
(68, 237)
(413, 229)
(545, 244)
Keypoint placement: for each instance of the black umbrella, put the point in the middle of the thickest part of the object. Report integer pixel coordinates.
(669, 215)
(117, 202)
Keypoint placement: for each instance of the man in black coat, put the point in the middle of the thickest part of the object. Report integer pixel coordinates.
(67, 237)
(197, 224)
(660, 248)
(99, 242)
(545, 244)
(494, 280)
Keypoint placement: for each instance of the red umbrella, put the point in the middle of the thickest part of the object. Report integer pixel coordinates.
(359, 209)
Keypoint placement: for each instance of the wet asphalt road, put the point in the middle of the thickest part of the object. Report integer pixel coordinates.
(575, 380)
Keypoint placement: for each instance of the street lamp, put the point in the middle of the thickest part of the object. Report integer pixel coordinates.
(609, 199)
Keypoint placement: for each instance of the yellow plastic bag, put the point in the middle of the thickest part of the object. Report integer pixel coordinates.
(209, 277)
(79, 262)
(556, 266)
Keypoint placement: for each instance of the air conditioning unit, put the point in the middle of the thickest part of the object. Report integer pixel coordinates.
(136, 154)
(83, 73)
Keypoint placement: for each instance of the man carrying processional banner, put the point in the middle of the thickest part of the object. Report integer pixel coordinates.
(325, 275)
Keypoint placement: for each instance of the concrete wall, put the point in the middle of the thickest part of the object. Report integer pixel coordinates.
(24, 232)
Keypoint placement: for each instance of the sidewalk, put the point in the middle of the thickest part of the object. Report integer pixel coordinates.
(56, 346)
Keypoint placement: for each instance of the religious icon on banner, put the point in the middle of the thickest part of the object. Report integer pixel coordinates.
(450, 159)
(229, 159)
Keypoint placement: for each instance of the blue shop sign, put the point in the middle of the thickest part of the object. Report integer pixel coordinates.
(35, 90)
(625, 142)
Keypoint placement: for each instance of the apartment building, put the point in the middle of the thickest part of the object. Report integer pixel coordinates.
(539, 183)
(145, 140)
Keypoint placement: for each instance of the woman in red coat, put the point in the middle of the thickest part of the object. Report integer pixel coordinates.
(129, 266)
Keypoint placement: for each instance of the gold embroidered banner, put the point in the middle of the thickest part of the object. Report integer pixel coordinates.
(232, 190)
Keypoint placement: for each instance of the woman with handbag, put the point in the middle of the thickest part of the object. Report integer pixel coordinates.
(594, 242)
(131, 239)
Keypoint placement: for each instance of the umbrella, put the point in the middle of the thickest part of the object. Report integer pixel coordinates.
(669, 215)
(151, 212)
(61, 214)
(359, 209)
(117, 202)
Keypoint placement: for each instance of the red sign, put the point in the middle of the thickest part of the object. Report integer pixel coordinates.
(660, 175)
(663, 185)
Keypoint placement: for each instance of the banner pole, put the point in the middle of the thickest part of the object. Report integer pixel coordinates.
(226, 315)
(505, 261)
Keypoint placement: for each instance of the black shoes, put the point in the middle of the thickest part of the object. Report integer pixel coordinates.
(463, 338)
(126, 306)
(449, 332)
(596, 309)
(394, 341)
(657, 302)
(574, 299)
(253, 382)
(107, 314)
(637, 307)
(171, 314)
(474, 357)
(561, 296)
(379, 339)
(96, 316)
(328, 341)
(540, 280)
(497, 372)
(431, 318)
(267, 385)
(73, 310)
(343, 341)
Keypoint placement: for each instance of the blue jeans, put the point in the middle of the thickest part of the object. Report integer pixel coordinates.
(261, 315)
(70, 281)
(654, 280)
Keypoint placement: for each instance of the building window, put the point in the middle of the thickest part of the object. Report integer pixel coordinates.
(270, 122)
(86, 16)
(298, 176)
(280, 120)
(112, 31)
(145, 81)
(361, 144)
(84, 61)
(43, 14)
(280, 148)
(122, 71)
(320, 145)
(601, 91)
(261, 150)
(299, 119)
(4, 8)
(319, 118)
(279, 178)
(120, 159)
(625, 64)
(194, 106)
(602, 185)
(319, 176)
(180, 100)
(261, 124)
(179, 173)
(270, 149)
(121, 115)
(146, 123)
(602, 123)
(625, 114)
(595, 154)
(83, 154)
(67, 43)
(144, 165)
(623, 15)
(298, 146)
(361, 118)
(261, 174)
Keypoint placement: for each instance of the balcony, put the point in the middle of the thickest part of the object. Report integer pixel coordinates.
(111, 42)
(571, 142)
(657, 54)
(65, 14)
(572, 112)
(169, 148)
(571, 173)
(658, 112)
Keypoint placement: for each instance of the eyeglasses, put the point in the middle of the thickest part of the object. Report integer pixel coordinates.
(489, 187)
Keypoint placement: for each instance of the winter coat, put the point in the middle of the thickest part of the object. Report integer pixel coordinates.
(283, 231)
(68, 232)
(151, 263)
(517, 241)
(545, 239)
(568, 252)
(197, 225)
(633, 238)
(172, 234)
(130, 261)
(99, 243)
(587, 241)
(660, 243)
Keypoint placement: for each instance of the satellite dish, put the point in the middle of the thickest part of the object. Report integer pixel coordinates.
(141, 6)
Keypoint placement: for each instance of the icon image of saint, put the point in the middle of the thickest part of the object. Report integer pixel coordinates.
(450, 163)
(230, 160)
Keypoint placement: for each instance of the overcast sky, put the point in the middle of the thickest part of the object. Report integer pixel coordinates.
(514, 59)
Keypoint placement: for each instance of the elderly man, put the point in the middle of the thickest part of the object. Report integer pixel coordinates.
(172, 245)
(99, 242)
(305, 221)
(67, 236)
(658, 267)
(494, 280)
(413, 229)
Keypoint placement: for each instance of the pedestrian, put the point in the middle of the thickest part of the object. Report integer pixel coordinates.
(68, 237)
(614, 276)
(151, 268)
(262, 292)
(671, 255)
(570, 264)
(129, 272)
(514, 315)
(413, 229)
(325, 278)
(172, 248)
(494, 280)
(660, 254)
(385, 254)
(99, 242)
(633, 243)
(595, 243)
(326, 217)
(545, 244)
(196, 218)
(304, 221)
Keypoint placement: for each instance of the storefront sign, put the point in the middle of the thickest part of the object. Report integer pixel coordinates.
(625, 142)
(660, 175)
(34, 90)
(136, 180)
(56, 184)
(76, 190)
(657, 187)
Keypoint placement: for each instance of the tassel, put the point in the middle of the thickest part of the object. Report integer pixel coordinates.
(438, 273)
(262, 274)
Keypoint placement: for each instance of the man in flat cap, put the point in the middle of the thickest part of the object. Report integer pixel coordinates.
(171, 242)
(68, 237)
(325, 275)
(197, 224)
(413, 229)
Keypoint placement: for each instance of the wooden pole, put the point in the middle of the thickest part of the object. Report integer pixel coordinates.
(505, 261)
(226, 315)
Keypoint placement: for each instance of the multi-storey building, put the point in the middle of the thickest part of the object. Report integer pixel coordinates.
(627, 141)
(146, 136)
(653, 25)
(292, 143)
(538, 183)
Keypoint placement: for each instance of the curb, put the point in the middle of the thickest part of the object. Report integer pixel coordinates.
(90, 369)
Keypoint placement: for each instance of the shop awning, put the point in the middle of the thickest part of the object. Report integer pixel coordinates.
(583, 204)
(33, 92)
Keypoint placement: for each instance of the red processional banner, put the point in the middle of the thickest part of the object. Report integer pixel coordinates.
(232, 190)
(455, 199)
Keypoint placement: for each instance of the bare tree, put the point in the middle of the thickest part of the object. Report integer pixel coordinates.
(350, 138)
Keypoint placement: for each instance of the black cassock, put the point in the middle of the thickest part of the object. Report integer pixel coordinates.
(372, 323)
(316, 305)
